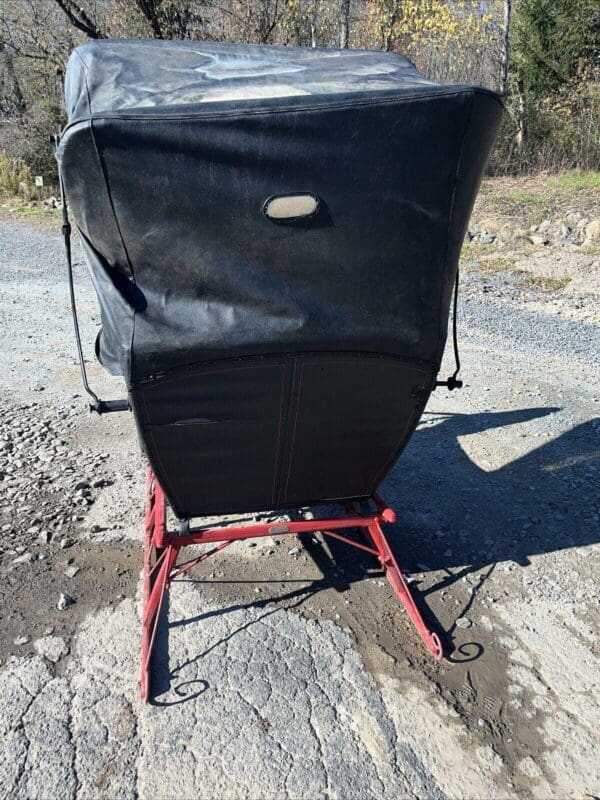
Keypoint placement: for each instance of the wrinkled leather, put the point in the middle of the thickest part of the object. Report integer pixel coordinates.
(163, 77)
(170, 153)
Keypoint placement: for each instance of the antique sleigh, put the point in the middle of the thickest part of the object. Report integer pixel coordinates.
(273, 234)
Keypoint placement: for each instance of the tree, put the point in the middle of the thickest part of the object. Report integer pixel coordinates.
(553, 41)
(542, 54)
(555, 52)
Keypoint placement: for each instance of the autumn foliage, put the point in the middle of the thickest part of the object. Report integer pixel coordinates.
(543, 55)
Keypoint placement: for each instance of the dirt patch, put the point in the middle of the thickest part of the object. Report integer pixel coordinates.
(29, 593)
(48, 483)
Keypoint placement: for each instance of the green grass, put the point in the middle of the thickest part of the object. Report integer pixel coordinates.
(496, 264)
(577, 181)
(590, 249)
(548, 284)
(515, 200)
(482, 258)
(543, 198)
(25, 210)
(471, 251)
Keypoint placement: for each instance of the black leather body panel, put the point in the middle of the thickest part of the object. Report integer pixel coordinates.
(269, 432)
(171, 152)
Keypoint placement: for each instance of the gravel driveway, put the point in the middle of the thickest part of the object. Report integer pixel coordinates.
(292, 672)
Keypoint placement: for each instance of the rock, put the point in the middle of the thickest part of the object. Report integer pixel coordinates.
(592, 232)
(507, 232)
(539, 239)
(71, 571)
(565, 231)
(44, 537)
(21, 640)
(463, 622)
(51, 647)
(26, 558)
(294, 551)
(64, 601)
(65, 542)
(530, 768)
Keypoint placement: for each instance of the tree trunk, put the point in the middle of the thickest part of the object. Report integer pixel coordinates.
(504, 55)
(344, 24)
(520, 116)
(13, 101)
(313, 23)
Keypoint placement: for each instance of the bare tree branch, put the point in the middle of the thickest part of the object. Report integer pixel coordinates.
(79, 18)
(150, 10)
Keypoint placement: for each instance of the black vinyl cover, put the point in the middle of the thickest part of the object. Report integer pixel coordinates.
(273, 234)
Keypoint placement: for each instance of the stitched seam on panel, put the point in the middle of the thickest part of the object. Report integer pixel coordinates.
(148, 426)
(104, 172)
(450, 219)
(276, 467)
(375, 362)
(414, 417)
(284, 110)
(293, 363)
(144, 392)
(367, 355)
(287, 483)
(131, 350)
(87, 88)
(112, 208)
(161, 382)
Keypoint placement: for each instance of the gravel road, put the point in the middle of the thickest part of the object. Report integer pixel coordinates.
(296, 674)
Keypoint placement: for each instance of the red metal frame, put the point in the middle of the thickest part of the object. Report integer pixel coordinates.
(161, 549)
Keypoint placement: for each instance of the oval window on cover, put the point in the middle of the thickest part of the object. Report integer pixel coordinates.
(288, 207)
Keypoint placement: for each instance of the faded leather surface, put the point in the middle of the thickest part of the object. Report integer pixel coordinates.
(172, 150)
(107, 77)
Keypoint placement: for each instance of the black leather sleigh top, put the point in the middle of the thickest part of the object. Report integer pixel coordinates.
(273, 234)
